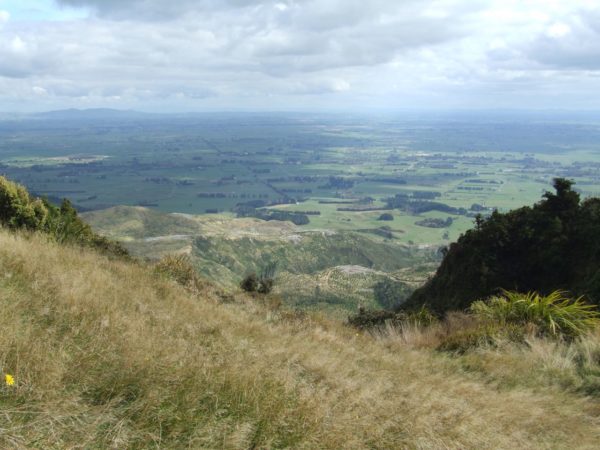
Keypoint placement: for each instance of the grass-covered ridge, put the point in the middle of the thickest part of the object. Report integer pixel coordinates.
(107, 353)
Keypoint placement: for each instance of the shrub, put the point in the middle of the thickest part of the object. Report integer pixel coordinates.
(263, 283)
(18, 210)
(250, 283)
(266, 279)
(369, 319)
(553, 314)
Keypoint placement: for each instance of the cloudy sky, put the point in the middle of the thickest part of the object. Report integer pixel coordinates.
(198, 55)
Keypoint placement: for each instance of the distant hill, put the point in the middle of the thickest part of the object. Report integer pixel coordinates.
(553, 245)
(316, 268)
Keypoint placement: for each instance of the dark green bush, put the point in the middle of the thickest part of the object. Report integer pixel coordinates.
(250, 283)
(368, 319)
(263, 283)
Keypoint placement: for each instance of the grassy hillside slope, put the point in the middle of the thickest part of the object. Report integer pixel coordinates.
(105, 354)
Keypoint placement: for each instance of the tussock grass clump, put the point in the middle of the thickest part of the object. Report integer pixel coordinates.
(513, 318)
(553, 314)
(180, 269)
(508, 356)
(537, 363)
(484, 335)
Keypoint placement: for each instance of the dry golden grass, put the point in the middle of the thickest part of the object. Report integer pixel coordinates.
(107, 355)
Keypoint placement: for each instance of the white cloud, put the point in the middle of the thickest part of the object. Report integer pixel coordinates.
(17, 45)
(37, 90)
(340, 85)
(261, 54)
(4, 17)
(558, 30)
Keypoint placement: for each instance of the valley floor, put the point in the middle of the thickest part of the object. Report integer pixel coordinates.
(106, 354)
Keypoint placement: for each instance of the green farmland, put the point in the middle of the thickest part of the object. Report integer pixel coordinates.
(343, 168)
(331, 179)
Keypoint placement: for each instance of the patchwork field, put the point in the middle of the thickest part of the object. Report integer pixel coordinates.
(342, 169)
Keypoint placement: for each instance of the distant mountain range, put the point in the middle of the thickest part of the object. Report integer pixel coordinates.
(471, 116)
(79, 114)
(74, 114)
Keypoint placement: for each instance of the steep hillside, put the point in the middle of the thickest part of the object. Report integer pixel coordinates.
(554, 245)
(106, 354)
(311, 264)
